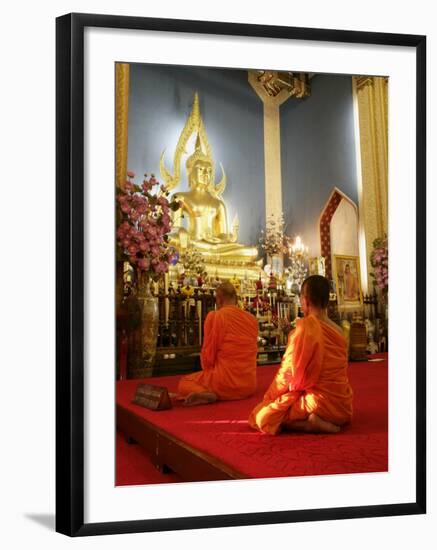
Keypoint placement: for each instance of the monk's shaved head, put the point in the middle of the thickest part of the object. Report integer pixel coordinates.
(226, 293)
(316, 290)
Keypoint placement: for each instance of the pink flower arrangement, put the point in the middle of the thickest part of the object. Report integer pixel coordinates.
(144, 223)
(379, 261)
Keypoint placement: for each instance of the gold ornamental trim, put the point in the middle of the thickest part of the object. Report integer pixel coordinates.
(121, 121)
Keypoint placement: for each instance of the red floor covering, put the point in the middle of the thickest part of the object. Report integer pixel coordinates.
(221, 430)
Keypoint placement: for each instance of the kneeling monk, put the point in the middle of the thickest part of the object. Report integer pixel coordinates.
(228, 356)
(311, 391)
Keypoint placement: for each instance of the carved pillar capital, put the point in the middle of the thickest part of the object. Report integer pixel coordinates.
(275, 87)
(363, 81)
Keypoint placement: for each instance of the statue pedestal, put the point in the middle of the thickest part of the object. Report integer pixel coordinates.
(226, 271)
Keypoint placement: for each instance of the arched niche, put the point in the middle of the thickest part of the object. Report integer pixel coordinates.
(344, 229)
(339, 228)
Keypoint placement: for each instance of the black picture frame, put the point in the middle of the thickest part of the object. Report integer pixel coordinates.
(70, 240)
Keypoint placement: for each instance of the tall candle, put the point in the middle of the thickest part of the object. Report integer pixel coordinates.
(167, 309)
(199, 316)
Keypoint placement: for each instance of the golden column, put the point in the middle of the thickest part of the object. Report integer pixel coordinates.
(274, 88)
(371, 129)
(121, 121)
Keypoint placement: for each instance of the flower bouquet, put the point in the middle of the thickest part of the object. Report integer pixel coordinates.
(143, 228)
(144, 224)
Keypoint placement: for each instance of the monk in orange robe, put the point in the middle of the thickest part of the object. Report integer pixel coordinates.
(311, 391)
(228, 356)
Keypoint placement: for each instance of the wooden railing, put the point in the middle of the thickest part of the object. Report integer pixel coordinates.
(181, 319)
(181, 327)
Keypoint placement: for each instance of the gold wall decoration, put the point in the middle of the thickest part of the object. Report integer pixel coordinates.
(371, 121)
(121, 121)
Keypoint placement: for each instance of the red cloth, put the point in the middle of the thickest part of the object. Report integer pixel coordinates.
(222, 430)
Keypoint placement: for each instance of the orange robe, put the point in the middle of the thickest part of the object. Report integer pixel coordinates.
(312, 379)
(228, 356)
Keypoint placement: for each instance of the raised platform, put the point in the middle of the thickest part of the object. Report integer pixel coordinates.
(214, 442)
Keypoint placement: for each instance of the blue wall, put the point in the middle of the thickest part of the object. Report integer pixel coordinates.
(317, 140)
(317, 153)
(159, 104)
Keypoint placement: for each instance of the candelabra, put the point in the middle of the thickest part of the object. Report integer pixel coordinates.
(297, 254)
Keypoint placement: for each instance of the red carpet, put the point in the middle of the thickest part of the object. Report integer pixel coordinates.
(221, 430)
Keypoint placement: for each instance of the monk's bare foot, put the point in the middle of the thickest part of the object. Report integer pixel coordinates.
(322, 426)
(176, 396)
(313, 424)
(201, 398)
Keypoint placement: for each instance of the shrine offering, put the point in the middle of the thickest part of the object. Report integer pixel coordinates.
(152, 397)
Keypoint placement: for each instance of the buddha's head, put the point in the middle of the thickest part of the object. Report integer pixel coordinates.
(199, 169)
(200, 175)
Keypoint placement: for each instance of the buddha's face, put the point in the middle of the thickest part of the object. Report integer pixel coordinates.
(200, 176)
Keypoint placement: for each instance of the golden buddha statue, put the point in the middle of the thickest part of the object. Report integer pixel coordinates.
(202, 207)
(207, 218)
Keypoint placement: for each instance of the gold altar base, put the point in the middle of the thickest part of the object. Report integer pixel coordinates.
(225, 271)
